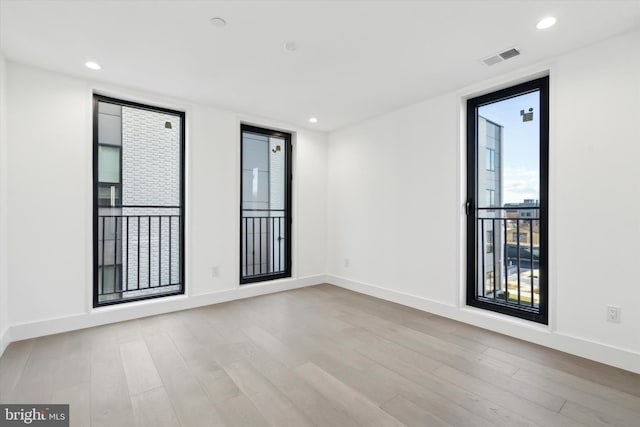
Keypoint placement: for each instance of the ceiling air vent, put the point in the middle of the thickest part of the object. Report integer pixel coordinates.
(509, 53)
(492, 60)
(502, 56)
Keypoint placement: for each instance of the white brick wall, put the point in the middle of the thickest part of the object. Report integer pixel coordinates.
(150, 158)
(151, 177)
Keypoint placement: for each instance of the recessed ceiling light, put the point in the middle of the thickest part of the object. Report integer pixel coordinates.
(545, 23)
(92, 65)
(218, 22)
(291, 46)
(313, 120)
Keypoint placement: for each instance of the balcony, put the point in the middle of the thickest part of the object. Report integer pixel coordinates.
(263, 244)
(509, 257)
(139, 253)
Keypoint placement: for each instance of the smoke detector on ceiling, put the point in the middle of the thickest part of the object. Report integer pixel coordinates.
(502, 56)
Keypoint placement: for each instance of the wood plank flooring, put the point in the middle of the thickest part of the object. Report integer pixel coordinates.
(314, 356)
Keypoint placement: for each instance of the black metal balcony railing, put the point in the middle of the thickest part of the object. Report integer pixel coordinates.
(263, 242)
(139, 255)
(509, 257)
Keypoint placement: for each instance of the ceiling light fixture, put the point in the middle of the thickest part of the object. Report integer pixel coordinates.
(313, 120)
(545, 23)
(218, 22)
(92, 65)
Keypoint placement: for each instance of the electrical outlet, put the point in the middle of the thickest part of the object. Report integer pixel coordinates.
(613, 314)
(215, 271)
(346, 263)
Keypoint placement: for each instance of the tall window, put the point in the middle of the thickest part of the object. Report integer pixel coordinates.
(138, 226)
(491, 198)
(265, 213)
(507, 198)
(491, 159)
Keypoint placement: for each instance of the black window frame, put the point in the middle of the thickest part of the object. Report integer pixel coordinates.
(96, 203)
(541, 315)
(288, 148)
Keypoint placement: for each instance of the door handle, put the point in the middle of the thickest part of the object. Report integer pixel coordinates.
(467, 207)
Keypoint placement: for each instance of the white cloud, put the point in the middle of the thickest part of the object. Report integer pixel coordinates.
(520, 184)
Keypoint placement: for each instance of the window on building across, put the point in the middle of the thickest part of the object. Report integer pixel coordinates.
(491, 198)
(489, 241)
(491, 159)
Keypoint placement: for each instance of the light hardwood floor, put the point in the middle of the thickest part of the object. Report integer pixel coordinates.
(313, 356)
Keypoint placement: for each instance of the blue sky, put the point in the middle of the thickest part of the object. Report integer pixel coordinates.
(520, 144)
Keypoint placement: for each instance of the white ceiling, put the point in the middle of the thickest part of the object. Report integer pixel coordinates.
(355, 59)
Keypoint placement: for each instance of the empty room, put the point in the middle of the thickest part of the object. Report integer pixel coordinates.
(319, 213)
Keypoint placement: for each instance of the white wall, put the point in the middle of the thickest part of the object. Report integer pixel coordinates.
(392, 200)
(50, 205)
(396, 189)
(597, 188)
(4, 306)
(388, 192)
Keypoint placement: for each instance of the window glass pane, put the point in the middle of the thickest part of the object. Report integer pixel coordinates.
(109, 108)
(139, 195)
(255, 152)
(109, 124)
(109, 195)
(514, 144)
(111, 279)
(108, 164)
(265, 243)
(151, 156)
(512, 180)
(276, 173)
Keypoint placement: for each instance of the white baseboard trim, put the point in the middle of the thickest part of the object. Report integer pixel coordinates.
(538, 334)
(4, 340)
(135, 310)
